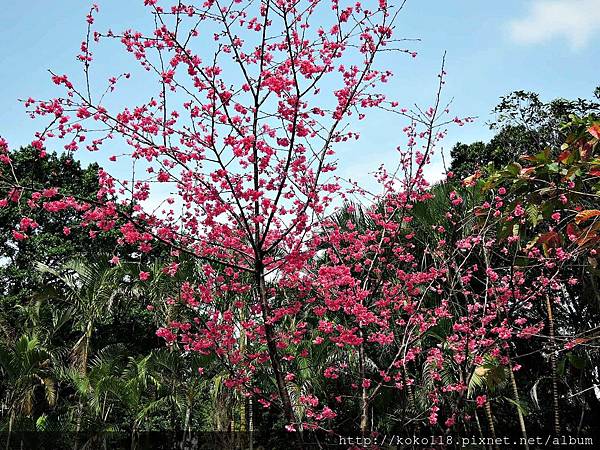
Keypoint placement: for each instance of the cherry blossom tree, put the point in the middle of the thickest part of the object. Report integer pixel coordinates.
(417, 293)
(411, 297)
(231, 157)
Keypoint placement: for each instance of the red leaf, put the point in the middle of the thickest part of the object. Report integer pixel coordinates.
(587, 238)
(572, 230)
(586, 215)
(564, 156)
(594, 130)
(551, 239)
(470, 181)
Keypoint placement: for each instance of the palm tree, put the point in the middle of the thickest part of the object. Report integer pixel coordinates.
(90, 290)
(95, 389)
(26, 369)
(162, 386)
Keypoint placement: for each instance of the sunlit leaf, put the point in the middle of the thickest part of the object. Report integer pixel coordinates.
(582, 216)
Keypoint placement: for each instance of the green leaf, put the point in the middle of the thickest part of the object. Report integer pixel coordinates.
(515, 229)
(534, 393)
(533, 213)
(495, 376)
(475, 382)
(543, 156)
(41, 423)
(576, 361)
(514, 169)
(520, 406)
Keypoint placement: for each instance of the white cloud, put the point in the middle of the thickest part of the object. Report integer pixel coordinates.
(576, 21)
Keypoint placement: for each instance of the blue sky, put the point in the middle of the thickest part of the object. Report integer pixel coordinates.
(548, 46)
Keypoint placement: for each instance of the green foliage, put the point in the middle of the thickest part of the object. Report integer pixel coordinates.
(48, 243)
(525, 125)
(83, 355)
